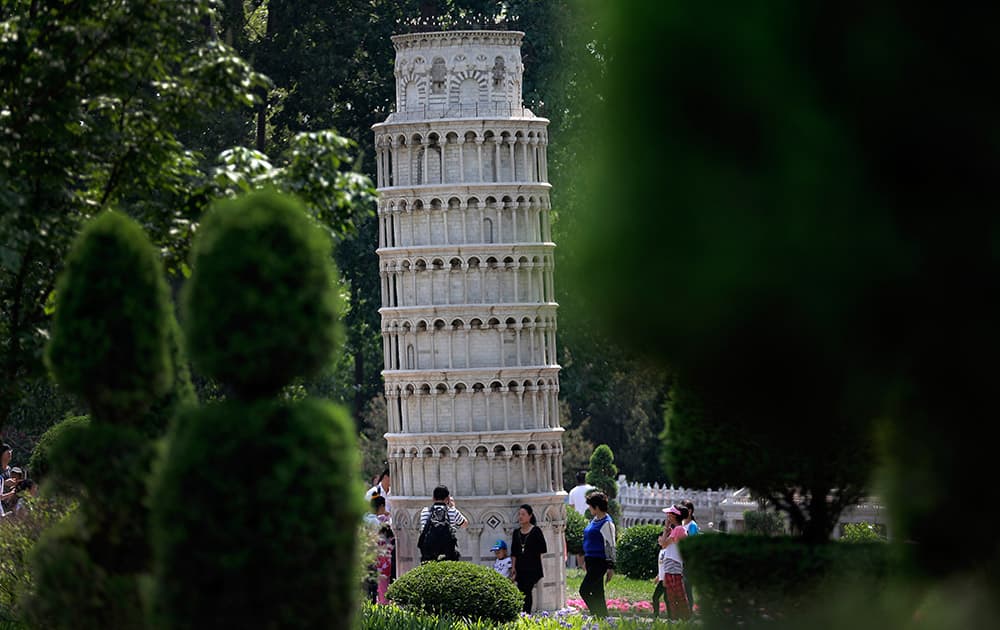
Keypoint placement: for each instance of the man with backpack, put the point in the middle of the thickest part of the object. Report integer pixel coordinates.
(438, 523)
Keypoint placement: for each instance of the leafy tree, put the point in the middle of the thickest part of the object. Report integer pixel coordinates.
(94, 94)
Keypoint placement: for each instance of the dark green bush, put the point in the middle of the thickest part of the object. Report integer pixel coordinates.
(40, 463)
(110, 330)
(575, 524)
(254, 515)
(18, 535)
(114, 491)
(739, 576)
(461, 589)
(763, 523)
(72, 591)
(260, 306)
(638, 551)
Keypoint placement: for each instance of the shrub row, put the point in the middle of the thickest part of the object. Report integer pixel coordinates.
(745, 576)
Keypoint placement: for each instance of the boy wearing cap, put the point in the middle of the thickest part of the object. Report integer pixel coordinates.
(502, 564)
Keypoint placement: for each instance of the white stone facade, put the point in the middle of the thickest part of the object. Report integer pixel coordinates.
(468, 310)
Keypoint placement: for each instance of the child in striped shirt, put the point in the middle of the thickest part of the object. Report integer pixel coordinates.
(670, 568)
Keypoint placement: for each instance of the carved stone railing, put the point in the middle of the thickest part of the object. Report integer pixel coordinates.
(460, 110)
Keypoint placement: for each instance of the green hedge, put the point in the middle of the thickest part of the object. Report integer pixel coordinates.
(40, 463)
(110, 330)
(575, 524)
(743, 577)
(261, 306)
(638, 551)
(18, 536)
(460, 589)
(254, 512)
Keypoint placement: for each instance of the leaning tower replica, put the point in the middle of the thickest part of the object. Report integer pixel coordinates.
(468, 314)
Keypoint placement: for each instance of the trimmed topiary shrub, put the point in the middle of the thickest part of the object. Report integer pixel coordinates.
(275, 481)
(461, 589)
(256, 501)
(110, 347)
(638, 551)
(109, 332)
(39, 465)
(602, 474)
(260, 308)
(575, 524)
(738, 576)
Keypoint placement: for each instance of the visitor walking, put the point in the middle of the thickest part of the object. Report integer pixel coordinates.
(578, 494)
(528, 545)
(661, 572)
(672, 567)
(438, 523)
(577, 498)
(599, 555)
(691, 526)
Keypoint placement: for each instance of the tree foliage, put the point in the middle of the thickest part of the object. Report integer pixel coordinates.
(93, 95)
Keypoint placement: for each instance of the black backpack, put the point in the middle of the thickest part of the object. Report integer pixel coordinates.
(437, 540)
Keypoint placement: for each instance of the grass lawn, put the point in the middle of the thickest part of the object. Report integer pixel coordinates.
(620, 587)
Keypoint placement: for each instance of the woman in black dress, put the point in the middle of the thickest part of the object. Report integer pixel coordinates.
(527, 547)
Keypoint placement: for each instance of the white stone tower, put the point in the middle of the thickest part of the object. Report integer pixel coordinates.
(468, 313)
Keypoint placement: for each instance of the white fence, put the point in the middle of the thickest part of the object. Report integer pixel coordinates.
(721, 509)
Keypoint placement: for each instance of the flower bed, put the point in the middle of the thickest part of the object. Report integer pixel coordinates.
(641, 607)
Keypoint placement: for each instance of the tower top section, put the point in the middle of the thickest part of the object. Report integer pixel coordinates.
(458, 74)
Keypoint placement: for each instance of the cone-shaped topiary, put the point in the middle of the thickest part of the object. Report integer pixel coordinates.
(256, 501)
(260, 307)
(109, 333)
(110, 346)
(603, 471)
(255, 511)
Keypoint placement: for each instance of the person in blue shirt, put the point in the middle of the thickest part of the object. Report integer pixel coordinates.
(691, 526)
(599, 553)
